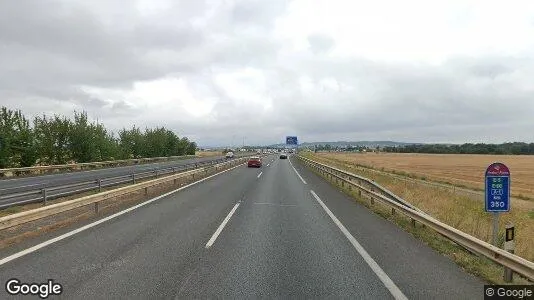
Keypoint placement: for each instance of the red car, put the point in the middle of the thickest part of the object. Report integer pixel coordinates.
(254, 161)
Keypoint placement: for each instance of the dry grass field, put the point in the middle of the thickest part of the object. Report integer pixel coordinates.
(460, 169)
(208, 153)
(460, 210)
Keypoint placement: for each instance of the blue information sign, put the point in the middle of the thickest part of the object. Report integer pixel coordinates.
(497, 188)
(291, 140)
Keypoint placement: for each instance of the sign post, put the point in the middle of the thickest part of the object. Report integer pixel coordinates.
(497, 194)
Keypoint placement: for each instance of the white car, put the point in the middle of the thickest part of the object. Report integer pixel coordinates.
(230, 154)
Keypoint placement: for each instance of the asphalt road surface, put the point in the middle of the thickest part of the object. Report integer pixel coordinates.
(10, 188)
(78, 176)
(246, 233)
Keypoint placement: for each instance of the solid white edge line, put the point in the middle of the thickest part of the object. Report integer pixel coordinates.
(390, 285)
(73, 232)
(260, 174)
(296, 172)
(221, 227)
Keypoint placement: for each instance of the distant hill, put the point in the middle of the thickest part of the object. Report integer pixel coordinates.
(342, 144)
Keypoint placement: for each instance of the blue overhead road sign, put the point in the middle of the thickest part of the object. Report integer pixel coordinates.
(291, 140)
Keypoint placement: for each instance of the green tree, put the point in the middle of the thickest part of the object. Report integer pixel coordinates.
(17, 147)
(182, 146)
(82, 138)
(131, 143)
(107, 146)
(52, 136)
(191, 149)
(57, 140)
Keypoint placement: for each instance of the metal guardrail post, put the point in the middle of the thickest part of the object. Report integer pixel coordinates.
(99, 185)
(509, 246)
(156, 173)
(133, 178)
(43, 193)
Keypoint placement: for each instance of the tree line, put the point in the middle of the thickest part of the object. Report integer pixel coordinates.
(515, 148)
(59, 140)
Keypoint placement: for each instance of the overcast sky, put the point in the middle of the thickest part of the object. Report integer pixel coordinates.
(218, 71)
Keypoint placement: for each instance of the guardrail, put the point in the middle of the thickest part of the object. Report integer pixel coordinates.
(81, 166)
(50, 210)
(377, 192)
(43, 192)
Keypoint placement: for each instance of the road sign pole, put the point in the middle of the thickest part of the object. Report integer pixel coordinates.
(495, 229)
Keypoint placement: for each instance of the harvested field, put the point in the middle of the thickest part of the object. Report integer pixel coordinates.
(458, 169)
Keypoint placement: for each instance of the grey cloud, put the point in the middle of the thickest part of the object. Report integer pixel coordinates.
(256, 13)
(410, 99)
(122, 108)
(320, 43)
(66, 42)
(50, 50)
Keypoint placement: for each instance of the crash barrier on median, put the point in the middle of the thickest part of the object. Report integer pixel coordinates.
(377, 192)
(50, 210)
(44, 192)
(81, 166)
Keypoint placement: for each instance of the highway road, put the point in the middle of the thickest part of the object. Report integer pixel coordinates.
(15, 191)
(278, 231)
(70, 177)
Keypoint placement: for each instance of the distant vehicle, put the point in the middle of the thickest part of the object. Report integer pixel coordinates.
(229, 154)
(283, 156)
(254, 161)
(291, 151)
